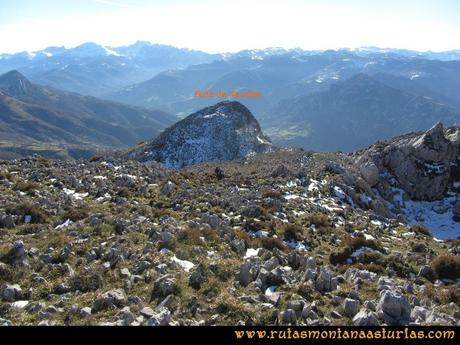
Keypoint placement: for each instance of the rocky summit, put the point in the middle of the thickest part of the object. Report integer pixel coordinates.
(288, 237)
(224, 131)
(418, 176)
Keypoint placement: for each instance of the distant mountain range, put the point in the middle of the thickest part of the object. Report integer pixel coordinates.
(93, 69)
(306, 95)
(34, 115)
(280, 75)
(353, 113)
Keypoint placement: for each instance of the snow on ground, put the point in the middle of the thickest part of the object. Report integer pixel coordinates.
(369, 237)
(73, 194)
(270, 290)
(262, 141)
(435, 215)
(250, 252)
(290, 196)
(64, 225)
(295, 244)
(314, 185)
(186, 265)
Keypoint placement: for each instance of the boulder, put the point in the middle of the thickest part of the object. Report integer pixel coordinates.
(289, 317)
(351, 307)
(325, 282)
(162, 318)
(10, 293)
(197, 277)
(393, 308)
(111, 299)
(366, 318)
(370, 173)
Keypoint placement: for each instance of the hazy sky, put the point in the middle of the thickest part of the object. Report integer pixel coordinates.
(231, 25)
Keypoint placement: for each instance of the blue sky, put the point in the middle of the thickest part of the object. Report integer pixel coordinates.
(231, 25)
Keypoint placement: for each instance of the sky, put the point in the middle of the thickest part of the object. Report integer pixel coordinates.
(231, 25)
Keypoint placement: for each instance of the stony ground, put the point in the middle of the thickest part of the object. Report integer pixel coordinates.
(271, 239)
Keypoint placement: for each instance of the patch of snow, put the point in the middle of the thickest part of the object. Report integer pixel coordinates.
(291, 196)
(369, 237)
(270, 291)
(109, 52)
(376, 222)
(216, 114)
(295, 244)
(64, 225)
(250, 252)
(69, 191)
(313, 185)
(441, 225)
(260, 233)
(293, 183)
(408, 235)
(19, 305)
(262, 141)
(339, 193)
(186, 265)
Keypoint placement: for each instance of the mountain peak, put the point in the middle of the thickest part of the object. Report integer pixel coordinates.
(224, 131)
(15, 82)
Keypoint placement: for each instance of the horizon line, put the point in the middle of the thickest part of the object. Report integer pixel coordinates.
(230, 52)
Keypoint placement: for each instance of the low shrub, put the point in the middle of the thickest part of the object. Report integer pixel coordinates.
(447, 266)
(351, 244)
(27, 209)
(292, 232)
(421, 229)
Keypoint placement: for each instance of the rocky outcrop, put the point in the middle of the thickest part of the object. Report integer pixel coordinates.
(422, 163)
(224, 131)
(394, 308)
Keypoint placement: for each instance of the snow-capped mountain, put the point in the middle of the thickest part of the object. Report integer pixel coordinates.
(94, 69)
(224, 131)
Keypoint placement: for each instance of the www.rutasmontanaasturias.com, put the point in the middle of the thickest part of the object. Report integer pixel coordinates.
(338, 333)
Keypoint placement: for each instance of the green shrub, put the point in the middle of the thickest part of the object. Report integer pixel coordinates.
(25, 186)
(351, 244)
(421, 229)
(86, 282)
(447, 266)
(319, 219)
(271, 243)
(75, 214)
(292, 232)
(23, 209)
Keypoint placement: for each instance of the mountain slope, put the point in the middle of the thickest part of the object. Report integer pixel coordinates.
(225, 131)
(354, 114)
(31, 114)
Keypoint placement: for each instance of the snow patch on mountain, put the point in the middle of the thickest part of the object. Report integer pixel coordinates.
(225, 131)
